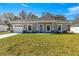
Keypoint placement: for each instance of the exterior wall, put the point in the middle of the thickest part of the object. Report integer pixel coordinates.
(26, 27)
(37, 28)
(55, 27)
(64, 27)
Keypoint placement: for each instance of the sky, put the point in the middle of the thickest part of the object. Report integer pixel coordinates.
(69, 10)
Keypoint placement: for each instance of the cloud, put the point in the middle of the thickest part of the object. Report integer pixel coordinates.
(73, 10)
(70, 13)
(24, 5)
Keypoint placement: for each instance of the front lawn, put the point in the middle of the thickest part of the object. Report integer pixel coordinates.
(4, 33)
(40, 44)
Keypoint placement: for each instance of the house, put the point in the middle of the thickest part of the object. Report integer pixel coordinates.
(75, 26)
(39, 25)
(3, 27)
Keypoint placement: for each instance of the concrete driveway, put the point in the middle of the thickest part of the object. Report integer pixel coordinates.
(7, 35)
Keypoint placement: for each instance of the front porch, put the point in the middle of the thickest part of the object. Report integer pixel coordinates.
(43, 27)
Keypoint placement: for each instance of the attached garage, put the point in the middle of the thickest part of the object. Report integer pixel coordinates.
(18, 28)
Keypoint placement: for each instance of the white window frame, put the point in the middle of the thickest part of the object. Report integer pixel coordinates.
(58, 27)
(28, 28)
(18, 25)
(46, 27)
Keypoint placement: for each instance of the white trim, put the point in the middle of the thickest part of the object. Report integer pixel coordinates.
(52, 26)
(51, 22)
(46, 27)
(39, 27)
(58, 26)
(31, 28)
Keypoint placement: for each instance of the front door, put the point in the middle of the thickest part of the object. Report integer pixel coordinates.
(41, 28)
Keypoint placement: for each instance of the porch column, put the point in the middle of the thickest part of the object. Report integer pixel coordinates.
(37, 27)
(52, 27)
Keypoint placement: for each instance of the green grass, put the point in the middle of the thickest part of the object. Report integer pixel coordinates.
(4, 32)
(40, 45)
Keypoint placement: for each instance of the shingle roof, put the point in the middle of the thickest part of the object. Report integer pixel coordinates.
(38, 20)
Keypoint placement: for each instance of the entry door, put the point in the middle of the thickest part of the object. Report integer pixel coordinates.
(41, 28)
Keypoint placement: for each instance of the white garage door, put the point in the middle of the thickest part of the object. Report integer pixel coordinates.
(18, 28)
(75, 29)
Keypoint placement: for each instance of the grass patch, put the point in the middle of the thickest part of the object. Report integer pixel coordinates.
(4, 32)
(40, 45)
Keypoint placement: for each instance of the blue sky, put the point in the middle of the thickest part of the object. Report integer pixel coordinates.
(69, 10)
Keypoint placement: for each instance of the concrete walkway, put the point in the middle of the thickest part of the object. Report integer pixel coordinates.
(7, 35)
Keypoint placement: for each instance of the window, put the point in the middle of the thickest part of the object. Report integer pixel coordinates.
(29, 27)
(18, 25)
(48, 28)
(59, 28)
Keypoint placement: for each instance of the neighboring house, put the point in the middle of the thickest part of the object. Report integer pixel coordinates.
(3, 27)
(75, 27)
(39, 25)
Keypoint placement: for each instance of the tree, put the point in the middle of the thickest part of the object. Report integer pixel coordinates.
(16, 18)
(7, 22)
(31, 15)
(7, 17)
(76, 18)
(22, 14)
(60, 17)
(47, 15)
